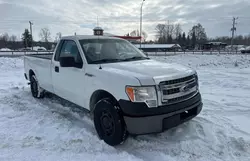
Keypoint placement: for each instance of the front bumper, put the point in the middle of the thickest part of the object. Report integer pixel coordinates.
(140, 119)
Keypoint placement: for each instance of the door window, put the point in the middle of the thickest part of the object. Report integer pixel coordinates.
(69, 49)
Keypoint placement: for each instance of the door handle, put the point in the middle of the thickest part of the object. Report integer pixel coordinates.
(57, 69)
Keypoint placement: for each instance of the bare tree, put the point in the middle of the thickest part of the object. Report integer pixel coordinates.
(160, 29)
(13, 41)
(177, 30)
(135, 33)
(169, 30)
(165, 32)
(13, 38)
(58, 36)
(144, 35)
(45, 34)
(198, 35)
(5, 37)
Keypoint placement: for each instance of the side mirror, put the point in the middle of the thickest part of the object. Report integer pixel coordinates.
(68, 61)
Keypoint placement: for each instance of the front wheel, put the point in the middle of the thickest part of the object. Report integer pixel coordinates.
(36, 90)
(109, 123)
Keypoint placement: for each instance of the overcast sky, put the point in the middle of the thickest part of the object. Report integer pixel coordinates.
(122, 16)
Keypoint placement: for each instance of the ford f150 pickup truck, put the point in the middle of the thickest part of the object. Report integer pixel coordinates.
(125, 91)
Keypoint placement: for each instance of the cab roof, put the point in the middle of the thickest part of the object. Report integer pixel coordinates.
(84, 37)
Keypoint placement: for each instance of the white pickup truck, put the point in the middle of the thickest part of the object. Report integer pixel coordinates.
(125, 91)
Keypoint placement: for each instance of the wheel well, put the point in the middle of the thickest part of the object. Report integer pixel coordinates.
(31, 73)
(98, 95)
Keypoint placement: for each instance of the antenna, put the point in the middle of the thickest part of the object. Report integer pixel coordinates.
(97, 21)
(99, 57)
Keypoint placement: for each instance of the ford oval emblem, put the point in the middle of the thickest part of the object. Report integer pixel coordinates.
(185, 88)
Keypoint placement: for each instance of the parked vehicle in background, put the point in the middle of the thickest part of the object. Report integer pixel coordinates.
(125, 91)
(235, 48)
(39, 48)
(246, 50)
(241, 49)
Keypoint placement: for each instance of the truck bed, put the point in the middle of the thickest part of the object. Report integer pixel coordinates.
(42, 56)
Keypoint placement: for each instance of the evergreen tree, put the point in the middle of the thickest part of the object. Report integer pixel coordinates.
(193, 40)
(170, 39)
(188, 41)
(179, 40)
(26, 38)
(184, 43)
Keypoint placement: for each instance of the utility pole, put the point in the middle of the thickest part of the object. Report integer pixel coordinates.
(141, 22)
(31, 34)
(233, 29)
(26, 44)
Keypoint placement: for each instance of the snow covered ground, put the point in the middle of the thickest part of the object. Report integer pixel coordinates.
(54, 130)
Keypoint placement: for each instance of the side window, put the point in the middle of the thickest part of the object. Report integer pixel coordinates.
(58, 49)
(69, 48)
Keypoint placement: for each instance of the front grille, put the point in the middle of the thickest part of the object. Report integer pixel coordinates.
(171, 91)
(182, 98)
(177, 90)
(175, 81)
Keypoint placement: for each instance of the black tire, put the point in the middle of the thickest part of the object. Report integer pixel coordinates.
(36, 90)
(109, 122)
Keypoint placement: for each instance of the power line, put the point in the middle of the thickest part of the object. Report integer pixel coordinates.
(113, 19)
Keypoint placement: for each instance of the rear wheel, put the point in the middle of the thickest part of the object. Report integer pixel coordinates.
(36, 90)
(109, 122)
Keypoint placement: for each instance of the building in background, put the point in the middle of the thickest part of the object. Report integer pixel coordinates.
(132, 39)
(159, 47)
(214, 46)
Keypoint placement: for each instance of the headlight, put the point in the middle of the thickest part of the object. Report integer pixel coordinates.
(142, 94)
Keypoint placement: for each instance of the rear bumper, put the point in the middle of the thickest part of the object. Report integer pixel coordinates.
(156, 120)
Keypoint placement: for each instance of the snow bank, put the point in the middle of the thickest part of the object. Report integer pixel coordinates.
(53, 129)
(211, 61)
(5, 49)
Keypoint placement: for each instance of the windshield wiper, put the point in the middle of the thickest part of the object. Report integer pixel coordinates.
(136, 58)
(104, 61)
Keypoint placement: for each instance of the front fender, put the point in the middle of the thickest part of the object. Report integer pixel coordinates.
(113, 83)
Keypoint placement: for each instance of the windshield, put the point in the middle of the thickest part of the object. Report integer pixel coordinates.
(110, 50)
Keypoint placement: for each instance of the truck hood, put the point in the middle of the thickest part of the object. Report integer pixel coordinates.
(149, 72)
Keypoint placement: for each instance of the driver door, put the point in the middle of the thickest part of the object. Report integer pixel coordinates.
(68, 82)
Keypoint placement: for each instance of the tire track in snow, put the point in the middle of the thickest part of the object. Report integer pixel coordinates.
(74, 132)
